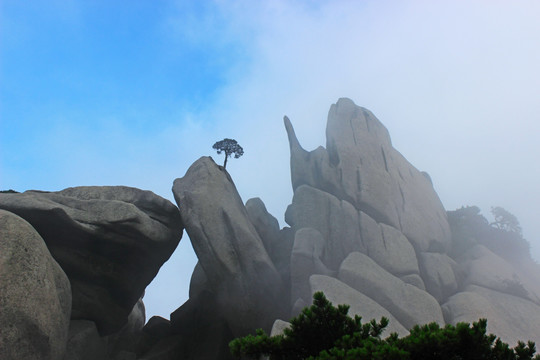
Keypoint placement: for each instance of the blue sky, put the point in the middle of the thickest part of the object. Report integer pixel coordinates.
(131, 93)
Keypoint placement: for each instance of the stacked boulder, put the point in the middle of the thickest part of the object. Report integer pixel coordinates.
(235, 287)
(35, 294)
(366, 222)
(93, 250)
(365, 227)
(371, 217)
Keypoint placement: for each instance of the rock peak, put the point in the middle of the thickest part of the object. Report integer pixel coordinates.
(360, 166)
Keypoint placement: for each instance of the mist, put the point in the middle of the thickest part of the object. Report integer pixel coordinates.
(456, 84)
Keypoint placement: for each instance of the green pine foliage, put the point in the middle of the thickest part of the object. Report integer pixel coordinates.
(325, 332)
(503, 236)
(317, 328)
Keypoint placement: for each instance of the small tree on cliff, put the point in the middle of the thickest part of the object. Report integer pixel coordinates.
(505, 220)
(230, 147)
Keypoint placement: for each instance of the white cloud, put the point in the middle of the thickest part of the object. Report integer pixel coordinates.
(455, 82)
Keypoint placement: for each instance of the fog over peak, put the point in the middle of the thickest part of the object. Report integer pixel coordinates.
(455, 83)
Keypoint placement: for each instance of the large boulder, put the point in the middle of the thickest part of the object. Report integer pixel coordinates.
(110, 241)
(406, 302)
(198, 282)
(306, 261)
(360, 166)
(240, 273)
(279, 327)
(126, 340)
(439, 274)
(84, 342)
(266, 225)
(510, 317)
(339, 293)
(392, 251)
(278, 243)
(387, 246)
(202, 328)
(35, 295)
(335, 219)
(486, 269)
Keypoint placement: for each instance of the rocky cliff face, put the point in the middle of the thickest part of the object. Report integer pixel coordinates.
(236, 265)
(365, 227)
(109, 241)
(377, 226)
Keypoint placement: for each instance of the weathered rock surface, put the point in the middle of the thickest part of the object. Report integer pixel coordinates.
(110, 241)
(202, 330)
(306, 261)
(439, 275)
(339, 293)
(509, 317)
(486, 269)
(35, 295)
(360, 166)
(167, 348)
(155, 330)
(266, 225)
(279, 327)
(124, 343)
(230, 251)
(360, 212)
(84, 342)
(387, 246)
(415, 280)
(336, 220)
(198, 282)
(392, 251)
(406, 302)
(277, 243)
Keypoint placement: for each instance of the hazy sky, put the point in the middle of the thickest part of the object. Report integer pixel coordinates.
(132, 92)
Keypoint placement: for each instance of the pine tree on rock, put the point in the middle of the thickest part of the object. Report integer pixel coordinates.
(230, 147)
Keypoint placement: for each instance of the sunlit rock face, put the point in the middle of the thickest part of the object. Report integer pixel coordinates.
(238, 270)
(110, 241)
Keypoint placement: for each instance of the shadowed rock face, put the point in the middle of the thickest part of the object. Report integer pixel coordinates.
(110, 241)
(35, 295)
(237, 267)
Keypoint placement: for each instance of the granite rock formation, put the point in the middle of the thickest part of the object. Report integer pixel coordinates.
(365, 227)
(360, 166)
(377, 214)
(376, 222)
(35, 295)
(231, 253)
(110, 241)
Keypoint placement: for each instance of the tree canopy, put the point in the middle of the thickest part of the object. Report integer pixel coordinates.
(325, 332)
(230, 147)
(504, 220)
